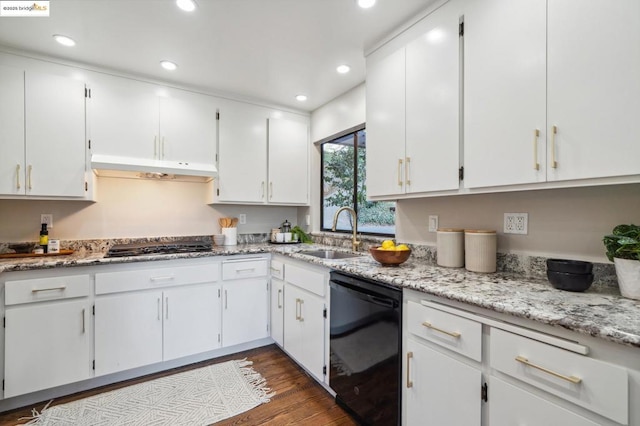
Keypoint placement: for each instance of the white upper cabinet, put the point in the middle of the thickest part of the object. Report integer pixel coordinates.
(504, 92)
(242, 148)
(141, 120)
(262, 160)
(593, 88)
(556, 100)
(12, 161)
(412, 112)
(42, 118)
(386, 125)
(288, 162)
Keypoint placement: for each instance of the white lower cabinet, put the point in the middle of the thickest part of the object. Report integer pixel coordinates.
(47, 333)
(511, 405)
(245, 301)
(304, 329)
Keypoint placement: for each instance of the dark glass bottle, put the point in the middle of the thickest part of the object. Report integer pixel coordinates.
(44, 238)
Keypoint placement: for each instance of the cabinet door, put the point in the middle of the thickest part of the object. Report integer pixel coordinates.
(293, 338)
(511, 405)
(128, 330)
(124, 118)
(191, 320)
(46, 345)
(55, 135)
(12, 167)
(188, 128)
(277, 311)
(433, 70)
(288, 162)
(386, 125)
(443, 390)
(242, 166)
(593, 88)
(245, 314)
(504, 92)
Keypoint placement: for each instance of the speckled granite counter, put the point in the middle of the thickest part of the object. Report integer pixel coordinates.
(601, 314)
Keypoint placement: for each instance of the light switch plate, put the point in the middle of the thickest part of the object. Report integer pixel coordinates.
(433, 223)
(48, 219)
(516, 223)
(242, 219)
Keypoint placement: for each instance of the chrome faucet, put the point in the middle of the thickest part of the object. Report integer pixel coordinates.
(354, 243)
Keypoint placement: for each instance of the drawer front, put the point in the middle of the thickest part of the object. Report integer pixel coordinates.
(143, 279)
(592, 384)
(277, 269)
(309, 280)
(458, 334)
(35, 290)
(245, 268)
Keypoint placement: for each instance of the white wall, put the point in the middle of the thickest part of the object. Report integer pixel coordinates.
(134, 208)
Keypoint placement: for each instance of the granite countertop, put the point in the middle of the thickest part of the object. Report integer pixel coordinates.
(597, 313)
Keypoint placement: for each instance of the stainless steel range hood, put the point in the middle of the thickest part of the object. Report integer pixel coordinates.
(129, 167)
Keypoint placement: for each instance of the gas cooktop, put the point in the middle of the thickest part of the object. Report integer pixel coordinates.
(141, 249)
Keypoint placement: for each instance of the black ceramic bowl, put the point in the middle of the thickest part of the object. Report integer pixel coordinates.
(570, 282)
(570, 266)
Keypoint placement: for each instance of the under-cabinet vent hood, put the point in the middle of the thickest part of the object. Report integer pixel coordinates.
(129, 167)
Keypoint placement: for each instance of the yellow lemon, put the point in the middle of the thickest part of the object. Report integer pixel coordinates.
(402, 247)
(387, 244)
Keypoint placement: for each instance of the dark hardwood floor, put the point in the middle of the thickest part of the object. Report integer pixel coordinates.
(299, 400)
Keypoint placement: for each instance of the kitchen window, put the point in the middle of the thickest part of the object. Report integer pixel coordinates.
(344, 184)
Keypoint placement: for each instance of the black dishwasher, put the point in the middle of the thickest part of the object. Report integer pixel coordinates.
(365, 346)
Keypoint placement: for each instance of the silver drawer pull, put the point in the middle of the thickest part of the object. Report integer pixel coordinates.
(245, 270)
(572, 379)
(448, 333)
(275, 270)
(409, 357)
(38, 290)
(165, 278)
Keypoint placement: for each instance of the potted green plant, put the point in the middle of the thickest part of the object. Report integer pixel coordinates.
(302, 236)
(623, 249)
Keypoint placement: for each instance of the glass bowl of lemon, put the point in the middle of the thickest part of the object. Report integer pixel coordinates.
(390, 254)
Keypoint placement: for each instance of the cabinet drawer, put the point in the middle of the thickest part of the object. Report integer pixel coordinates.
(277, 269)
(304, 278)
(592, 384)
(458, 334)
(35, 290)
(245, 268)
(116, 282)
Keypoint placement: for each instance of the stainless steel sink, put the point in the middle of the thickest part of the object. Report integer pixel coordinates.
(330, 254)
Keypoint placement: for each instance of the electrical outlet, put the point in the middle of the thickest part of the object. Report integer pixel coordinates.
(516, 223)
(433, 223)
(242, 218)
(307, 220)
(48, 219)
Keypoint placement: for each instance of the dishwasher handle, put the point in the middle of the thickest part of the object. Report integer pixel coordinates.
(366, 296)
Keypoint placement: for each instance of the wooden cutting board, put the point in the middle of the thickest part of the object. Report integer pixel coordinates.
(19, 255)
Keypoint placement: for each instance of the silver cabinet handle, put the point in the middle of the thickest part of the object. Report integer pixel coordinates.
(83, 321)
(439, 330)
(277, 271)
(162, 149)
(226, 299)
(262, 189)
(297, 306)
(525, 361)
(155, 147)
(400, 172)
(163, 278)
(271, 190)
(29, 176)
(554, 163)
(166, 301)
(38, 290)
(536, 134)
(409, 382)
(279, 303)
(158, 309)
(301, 303)
(17, 176)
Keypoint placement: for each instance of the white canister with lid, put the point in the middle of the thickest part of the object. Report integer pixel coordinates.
(450, 247)
(480, 248)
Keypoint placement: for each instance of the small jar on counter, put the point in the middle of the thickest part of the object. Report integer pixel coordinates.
(450, 247)
(480, 248)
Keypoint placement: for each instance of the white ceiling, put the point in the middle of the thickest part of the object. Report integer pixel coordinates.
(267, 50)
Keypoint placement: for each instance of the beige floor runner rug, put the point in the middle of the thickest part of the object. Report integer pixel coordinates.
(197, 397)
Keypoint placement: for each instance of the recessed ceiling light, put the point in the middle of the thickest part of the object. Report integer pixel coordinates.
(366, 4)
(343, 69)
(186, 5)
(301, 98)
(168, 65)
(64, 40)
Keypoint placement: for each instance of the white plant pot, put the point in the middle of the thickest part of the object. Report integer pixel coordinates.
(628, 272)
